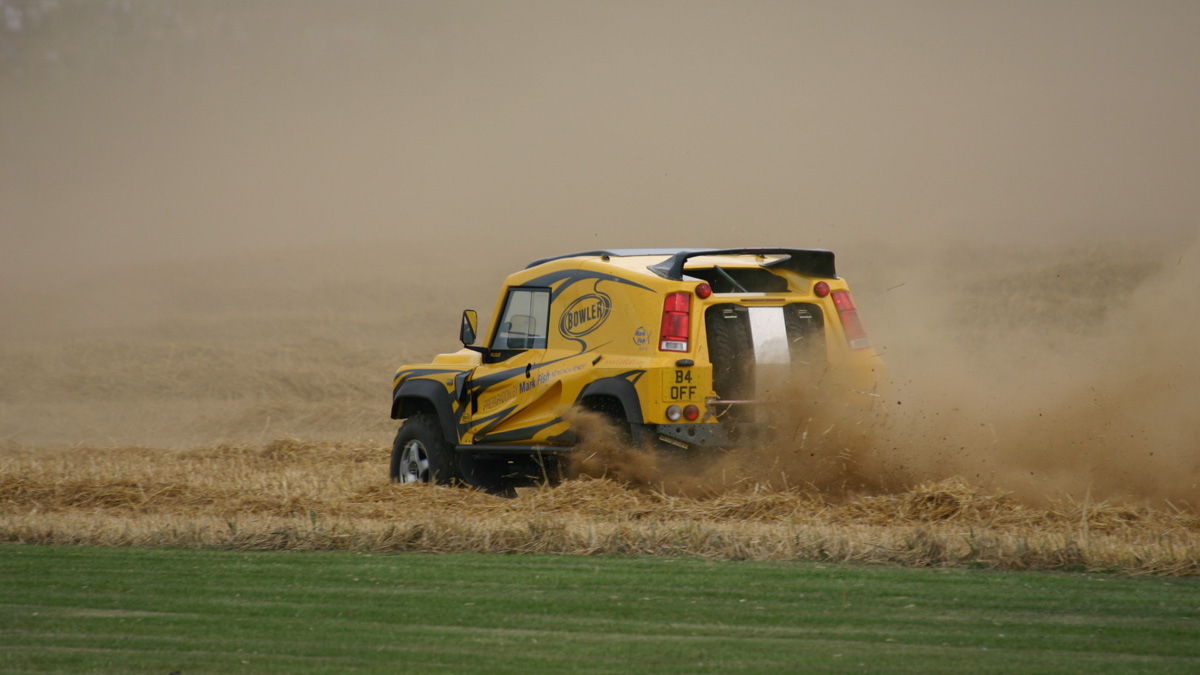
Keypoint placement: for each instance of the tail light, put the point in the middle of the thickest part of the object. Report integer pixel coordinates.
(676, 323)
(691, 413)
(856, 335)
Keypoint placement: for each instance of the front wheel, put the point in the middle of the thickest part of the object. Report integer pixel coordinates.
(421, 455)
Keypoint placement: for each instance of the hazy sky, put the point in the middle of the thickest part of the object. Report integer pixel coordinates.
(179, 128)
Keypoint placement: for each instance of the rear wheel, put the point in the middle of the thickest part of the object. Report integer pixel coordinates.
(613, 413)
(421, 454)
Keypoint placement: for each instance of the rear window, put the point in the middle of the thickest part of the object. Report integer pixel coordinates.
(739, 280)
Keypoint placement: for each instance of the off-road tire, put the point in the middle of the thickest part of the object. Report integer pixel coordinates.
(421, 454)
(730, 352)
(806, 339)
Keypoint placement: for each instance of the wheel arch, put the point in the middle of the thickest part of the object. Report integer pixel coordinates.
(425, 396)
(603, 392)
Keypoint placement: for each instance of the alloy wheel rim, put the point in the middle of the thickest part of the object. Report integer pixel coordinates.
(414, 463)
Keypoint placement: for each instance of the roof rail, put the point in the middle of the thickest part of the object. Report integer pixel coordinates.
(613, 253)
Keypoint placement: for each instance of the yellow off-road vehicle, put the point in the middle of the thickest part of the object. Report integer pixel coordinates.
(682, 348)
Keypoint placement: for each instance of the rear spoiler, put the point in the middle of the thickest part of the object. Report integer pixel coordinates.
(805, 262)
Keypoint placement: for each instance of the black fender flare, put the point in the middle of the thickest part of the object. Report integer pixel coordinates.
(620, 389)
(432, 392)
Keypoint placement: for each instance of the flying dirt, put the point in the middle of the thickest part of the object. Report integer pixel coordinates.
(1065, 374)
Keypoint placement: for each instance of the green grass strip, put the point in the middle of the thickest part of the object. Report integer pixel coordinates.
(82, 610)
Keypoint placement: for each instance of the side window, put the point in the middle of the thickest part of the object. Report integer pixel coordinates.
(525, 321)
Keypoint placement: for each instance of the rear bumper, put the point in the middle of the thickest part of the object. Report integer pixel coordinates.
(705, 435)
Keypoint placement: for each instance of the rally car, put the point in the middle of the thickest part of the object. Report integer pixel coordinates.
(686, 349)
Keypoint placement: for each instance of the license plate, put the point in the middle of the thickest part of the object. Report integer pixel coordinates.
(678, 385)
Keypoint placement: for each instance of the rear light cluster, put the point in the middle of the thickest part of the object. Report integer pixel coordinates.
(856, 335)
(676, 329)
(690, 412)
(677, 319)
(676, 322)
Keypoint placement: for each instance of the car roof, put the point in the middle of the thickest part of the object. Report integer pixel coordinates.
(805, 262)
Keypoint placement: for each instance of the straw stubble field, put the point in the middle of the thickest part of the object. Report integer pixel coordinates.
(242, 403)
(290, 495)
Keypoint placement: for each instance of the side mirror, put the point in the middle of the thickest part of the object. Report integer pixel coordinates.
(470, 326)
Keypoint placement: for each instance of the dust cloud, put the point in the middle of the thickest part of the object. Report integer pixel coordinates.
(225, 221)
(1081, 382)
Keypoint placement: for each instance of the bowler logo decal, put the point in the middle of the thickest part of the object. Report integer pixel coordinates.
(585, 315)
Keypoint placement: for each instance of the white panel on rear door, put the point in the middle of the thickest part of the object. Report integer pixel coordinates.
(769, 334)
(772, 359)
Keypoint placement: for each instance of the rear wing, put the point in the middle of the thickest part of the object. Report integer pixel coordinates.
(804, 262)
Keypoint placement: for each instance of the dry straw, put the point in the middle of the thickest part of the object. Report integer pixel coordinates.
(291, 495)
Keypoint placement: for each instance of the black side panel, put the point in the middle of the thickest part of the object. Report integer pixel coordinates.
(435, 394)
(619, 388)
